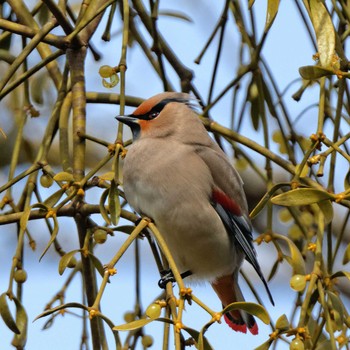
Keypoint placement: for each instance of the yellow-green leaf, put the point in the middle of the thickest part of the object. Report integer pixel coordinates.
(341, 274)
(54, 198)
(253, 98)
(6, 314)
(53, 236)
(66, 258)
(282, 324)
(346, 257)
(336, 305)
(252, 308)
(19, 340)
(103, 209)
(264, 346)
(133, 325)
(24, 218)
(263, 201)
(125, 228)
(324, 345)
(324, 30)
(273, 270)
(326, 207)
(196, 335)
(109, 176)
(250, 3)
(347, 180)
(61, 307)
(97, 263)
(64, 176)
(175, 14)
(296, 259)
(304, 171)
(272, 9)
(301, 196)
(113, 203)
(314, 72)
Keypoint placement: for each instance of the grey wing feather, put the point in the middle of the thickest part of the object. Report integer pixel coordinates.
(239, 228)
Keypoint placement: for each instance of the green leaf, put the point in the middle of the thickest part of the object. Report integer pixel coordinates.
(336, 305)
(301, 196)
(48, 324)
(282, 324)
(264, 346)
(347, 180)
(6, 314)
(272, 9)
(61, 307)
(40, 206)
(324, 30)
(268, 99)
(273, 270)
(253, 98)
(125, 228)
(313, 326)
(133, 325)
(325, 345)
(175, 14)
(103, 209)
(113, 203)
(5, 45)
(66, 258)
(252, 308)
(346, 257)
(326, 207)
(54, 198)
(296, 259)
(53, 236)
(341, 274)
(314, 72)
(250, 3)
(109, 176)
(24, 218)
(64, 176)
(118, 343)
(43, 15)
(264, 200)
(97, 263)
(195, 335)
(20, 339)
(304, 171)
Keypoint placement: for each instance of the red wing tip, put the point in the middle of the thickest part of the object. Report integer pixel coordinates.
(242, 327)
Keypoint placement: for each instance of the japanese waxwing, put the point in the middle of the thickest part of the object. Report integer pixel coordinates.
(175, 174)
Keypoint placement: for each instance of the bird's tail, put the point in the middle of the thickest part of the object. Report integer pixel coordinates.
(228, 291)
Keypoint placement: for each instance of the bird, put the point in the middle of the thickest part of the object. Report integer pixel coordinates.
(178, 176)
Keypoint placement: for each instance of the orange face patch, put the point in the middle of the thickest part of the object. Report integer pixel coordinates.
(144, 125)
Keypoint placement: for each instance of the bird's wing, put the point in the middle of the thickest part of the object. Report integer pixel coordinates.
(229, 201)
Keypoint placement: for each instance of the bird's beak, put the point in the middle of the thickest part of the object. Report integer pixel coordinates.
(132, 122)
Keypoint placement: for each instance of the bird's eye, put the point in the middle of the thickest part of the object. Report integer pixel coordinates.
(153, 115)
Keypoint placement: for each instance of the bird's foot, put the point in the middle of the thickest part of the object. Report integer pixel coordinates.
(167, 276)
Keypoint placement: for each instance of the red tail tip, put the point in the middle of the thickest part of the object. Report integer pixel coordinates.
(254, 330)
(241, 327)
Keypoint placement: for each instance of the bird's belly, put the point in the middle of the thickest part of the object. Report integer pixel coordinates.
(203, 247)
(193, 231)
(177, 197)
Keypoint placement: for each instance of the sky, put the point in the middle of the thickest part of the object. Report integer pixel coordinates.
(287, 49)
